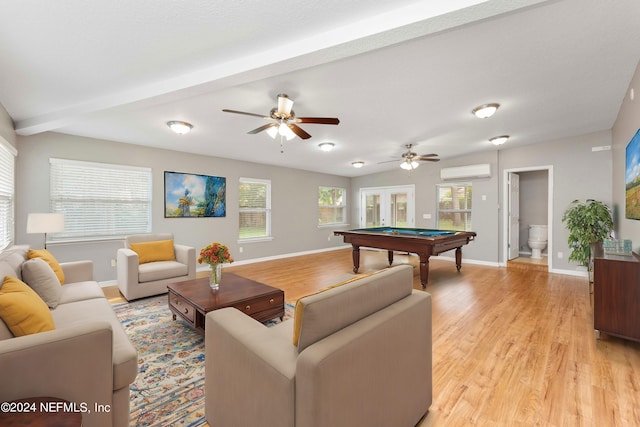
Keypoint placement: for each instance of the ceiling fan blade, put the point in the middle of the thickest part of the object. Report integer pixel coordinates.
(429, 155)
(318, 120)
(389, 161)
(246, 114)
(299, 131)
(261, 128)
(284, 105)
(429, 159)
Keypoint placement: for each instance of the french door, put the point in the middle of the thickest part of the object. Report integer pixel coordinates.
(387, 206)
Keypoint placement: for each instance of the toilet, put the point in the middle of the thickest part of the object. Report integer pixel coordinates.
(537, 240)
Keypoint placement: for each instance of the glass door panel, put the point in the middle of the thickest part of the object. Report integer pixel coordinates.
(387, 206)
(372, 215)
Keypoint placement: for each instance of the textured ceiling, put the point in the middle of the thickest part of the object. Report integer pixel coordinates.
(394, 72)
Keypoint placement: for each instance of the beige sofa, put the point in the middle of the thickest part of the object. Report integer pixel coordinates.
(137, 280)
(363, 358)
(88, 358)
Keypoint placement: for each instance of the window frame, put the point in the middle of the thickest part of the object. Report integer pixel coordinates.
(8, 155)
(267, 210)
(343, 207)
(468, 211)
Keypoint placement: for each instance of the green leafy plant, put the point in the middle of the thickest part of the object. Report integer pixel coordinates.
(589, 223)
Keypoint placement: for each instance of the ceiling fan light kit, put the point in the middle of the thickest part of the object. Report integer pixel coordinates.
(485, 111)
(179, 127)
(409, 165)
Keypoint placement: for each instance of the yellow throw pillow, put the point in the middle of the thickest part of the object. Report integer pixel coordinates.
(50, 259)
(160, 250)
(22, 310)
(298, 313)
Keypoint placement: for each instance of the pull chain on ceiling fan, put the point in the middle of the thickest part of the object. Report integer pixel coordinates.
(284, 121)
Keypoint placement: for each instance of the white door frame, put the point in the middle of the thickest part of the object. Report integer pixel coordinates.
(505, 211)
(411, 200)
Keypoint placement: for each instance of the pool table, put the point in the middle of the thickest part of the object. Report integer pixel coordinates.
(423, 242)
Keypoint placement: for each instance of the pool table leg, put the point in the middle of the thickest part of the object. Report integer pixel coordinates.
(390, 256)
(459, 258)
(356, 258)
(424, 271)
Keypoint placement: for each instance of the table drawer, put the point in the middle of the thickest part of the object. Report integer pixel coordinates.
(257, 305)
(183, 307)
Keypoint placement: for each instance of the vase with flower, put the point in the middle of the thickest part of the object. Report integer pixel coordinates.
(215, 254)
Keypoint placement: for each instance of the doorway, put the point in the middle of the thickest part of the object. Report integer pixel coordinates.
(387, 206)
(528, 200)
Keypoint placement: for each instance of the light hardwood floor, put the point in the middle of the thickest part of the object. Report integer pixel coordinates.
(510, 346)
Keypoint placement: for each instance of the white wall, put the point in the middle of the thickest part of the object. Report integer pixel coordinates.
(294, 199)
(626, 125)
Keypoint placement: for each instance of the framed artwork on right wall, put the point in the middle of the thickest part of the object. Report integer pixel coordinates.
(632, 178)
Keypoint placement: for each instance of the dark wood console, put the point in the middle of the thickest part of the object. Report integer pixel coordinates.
(616, 295)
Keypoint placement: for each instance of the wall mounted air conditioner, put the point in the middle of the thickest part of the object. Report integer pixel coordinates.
(464, 172)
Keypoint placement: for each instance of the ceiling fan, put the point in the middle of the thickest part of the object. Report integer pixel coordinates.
(410, 159)
(284, 121)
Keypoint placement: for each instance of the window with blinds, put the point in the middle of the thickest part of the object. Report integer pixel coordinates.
(7, 194)
(100, 200)
(254, 208)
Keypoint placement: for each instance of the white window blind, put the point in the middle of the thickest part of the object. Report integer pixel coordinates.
(7, 194)
(254, 208)
(100, 200)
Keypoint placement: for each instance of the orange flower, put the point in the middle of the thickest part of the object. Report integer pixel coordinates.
(215, 253)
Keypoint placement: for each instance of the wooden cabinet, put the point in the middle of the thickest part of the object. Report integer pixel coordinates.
(616, 296)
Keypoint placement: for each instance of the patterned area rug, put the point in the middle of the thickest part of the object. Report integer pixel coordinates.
(169, 388)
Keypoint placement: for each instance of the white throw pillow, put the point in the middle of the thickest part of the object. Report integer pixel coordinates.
(41, 278)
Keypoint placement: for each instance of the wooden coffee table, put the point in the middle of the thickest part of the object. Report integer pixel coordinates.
(193, 299)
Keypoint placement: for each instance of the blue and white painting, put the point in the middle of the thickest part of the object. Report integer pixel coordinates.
(632, 178)
(189, 195)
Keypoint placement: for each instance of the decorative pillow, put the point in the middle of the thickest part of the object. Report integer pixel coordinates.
(160, 250)
(40, 277)
(50, 259)
(22, 310)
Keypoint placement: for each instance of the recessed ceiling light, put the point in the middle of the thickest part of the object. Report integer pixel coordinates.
(357, 164)
(486, 110)
(499, 140)
(326, 146)
(180, 127)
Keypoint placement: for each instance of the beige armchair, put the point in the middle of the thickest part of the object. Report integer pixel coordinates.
(155, 264)
(362, 358)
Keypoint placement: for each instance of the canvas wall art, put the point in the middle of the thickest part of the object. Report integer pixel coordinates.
(188, 195)
(632, 178)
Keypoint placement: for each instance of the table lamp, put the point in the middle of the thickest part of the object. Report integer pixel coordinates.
(45, 223)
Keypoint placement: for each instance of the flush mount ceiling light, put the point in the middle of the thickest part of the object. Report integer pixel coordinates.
(499, 140)
(485, 111)
(180, 127)
(326, 146)
(357, 165)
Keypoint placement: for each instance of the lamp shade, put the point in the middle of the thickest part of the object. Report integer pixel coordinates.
(45, 223)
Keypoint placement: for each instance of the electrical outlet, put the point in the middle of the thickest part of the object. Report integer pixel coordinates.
(560, 255)
(113, 263)
(240, 249)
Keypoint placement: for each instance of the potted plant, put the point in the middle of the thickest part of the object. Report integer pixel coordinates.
(589, 223)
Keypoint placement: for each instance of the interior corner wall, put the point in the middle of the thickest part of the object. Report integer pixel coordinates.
(294, 199)
(624, 128)
(484, 200)
(6, 127)
(578, 173)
